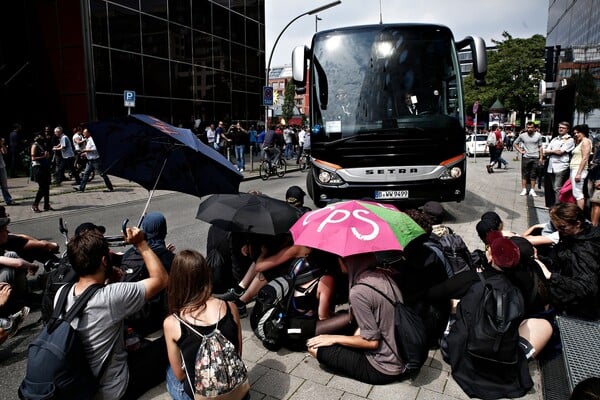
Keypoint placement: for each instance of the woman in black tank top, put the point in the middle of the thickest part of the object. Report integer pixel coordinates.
(189, 297)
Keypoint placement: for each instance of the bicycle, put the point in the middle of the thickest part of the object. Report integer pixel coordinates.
(270, 168)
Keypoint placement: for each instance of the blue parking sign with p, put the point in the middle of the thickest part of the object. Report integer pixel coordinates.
(129, 98)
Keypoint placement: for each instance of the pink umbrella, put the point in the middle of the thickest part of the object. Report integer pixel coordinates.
(354, 227)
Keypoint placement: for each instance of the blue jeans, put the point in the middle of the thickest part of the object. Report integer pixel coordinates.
(239, 155)
(96, 165)
(175, 387)
(289, 151)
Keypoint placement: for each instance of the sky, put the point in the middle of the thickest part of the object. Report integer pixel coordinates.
(484, 18)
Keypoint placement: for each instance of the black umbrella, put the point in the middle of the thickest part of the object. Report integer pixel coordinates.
(157, 155)
(249, 213)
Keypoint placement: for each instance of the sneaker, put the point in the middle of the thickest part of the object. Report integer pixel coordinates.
(241, 169)
(523, 192)
(17, 319)
(243, 311)
(489, 169)
(532, 193)
(230, 295)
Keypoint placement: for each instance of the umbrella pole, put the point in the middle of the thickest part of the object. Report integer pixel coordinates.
(151, 193)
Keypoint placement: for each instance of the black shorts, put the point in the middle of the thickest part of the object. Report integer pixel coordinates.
(352, 363)
(529, 168)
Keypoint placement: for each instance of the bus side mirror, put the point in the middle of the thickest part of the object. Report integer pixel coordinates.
(479, 57)
(299, 65)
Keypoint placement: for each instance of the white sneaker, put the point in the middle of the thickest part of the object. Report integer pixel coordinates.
(524, 192)
(532, 193)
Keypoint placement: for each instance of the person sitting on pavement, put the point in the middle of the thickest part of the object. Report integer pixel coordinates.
(369, 355)
(150, 318)
(294, 196)
(491, 221)
(14, 270)
(572, 271)
(191, 303)
(100, 327)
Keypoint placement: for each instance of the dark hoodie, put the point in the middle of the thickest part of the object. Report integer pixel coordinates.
(574, 286)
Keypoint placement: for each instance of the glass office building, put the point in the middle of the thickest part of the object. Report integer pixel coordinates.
(186, 60)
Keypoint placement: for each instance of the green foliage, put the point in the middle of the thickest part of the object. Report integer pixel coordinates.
(514, 72)
(587, 97)
(287, 109)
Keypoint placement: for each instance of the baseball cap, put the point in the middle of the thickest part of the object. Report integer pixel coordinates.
(88, 226)
(4, 220)
(294, 195)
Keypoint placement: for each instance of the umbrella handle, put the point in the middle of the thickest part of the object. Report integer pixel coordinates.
(124, 225)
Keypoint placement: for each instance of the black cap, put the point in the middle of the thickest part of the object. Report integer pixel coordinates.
(88, 226)
(295, 195)
(4, 220)
(434, 210)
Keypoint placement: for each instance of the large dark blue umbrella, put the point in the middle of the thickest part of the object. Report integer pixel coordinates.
(157, 155)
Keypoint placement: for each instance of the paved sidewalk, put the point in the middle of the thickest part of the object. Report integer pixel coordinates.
(295, 375)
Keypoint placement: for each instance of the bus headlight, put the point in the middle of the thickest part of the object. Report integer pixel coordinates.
(451, 173)
(328, 177)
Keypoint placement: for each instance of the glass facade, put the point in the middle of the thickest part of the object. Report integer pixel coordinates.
(185, 59)
(573, 22)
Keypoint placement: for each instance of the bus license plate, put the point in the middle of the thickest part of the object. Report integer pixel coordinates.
(391, 194)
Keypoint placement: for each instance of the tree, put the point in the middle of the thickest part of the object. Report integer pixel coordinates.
(287, 110)
(587, 97)
(514, 72)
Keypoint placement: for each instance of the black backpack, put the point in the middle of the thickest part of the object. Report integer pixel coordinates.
(56, 279)
(57, 367)
(483, 343)
(271, 312)
(410, 334)
(452, 250)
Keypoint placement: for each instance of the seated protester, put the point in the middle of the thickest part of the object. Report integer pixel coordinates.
(151, 316)
(370, 355)
(25, 246)
(273, 261)
(13, 269)
(507, 261)
(529, 279)
(490, 221)
(295, 196)
(191, 303)
(486, 371)
(421, 269)
(572, 271)
(100, 326)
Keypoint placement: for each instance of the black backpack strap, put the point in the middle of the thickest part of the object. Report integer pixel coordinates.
(81, 302)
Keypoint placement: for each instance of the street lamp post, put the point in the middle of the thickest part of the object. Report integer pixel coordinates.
(311, 12)
(317, 19)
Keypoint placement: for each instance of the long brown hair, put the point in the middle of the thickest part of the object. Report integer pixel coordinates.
(189, 282)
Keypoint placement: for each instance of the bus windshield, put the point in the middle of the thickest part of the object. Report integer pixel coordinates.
(379, 76)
